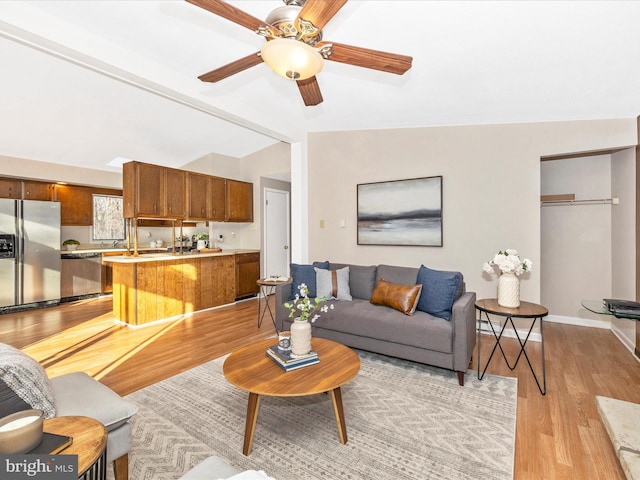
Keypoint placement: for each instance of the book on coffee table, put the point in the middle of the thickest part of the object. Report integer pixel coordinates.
(51, 443)
(287, 362)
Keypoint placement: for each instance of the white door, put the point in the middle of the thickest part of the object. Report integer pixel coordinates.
(276, 233)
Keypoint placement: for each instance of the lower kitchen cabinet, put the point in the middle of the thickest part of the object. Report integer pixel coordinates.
(247, 274)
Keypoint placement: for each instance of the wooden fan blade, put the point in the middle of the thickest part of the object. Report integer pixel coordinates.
(364, 57)
(232, 13)
(319, 12)
(232, 68)
(310, 91)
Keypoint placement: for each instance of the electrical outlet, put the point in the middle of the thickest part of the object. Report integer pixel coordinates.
(321, 223)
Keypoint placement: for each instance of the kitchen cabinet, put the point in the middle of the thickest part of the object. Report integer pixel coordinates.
(175, 197)
(198, 188)
(206, 197)
(218, 198)
(153, 191)
(143, 190)
(247, 274)
(76, 203)
(37, 191)
(10, 188)
(239, 201)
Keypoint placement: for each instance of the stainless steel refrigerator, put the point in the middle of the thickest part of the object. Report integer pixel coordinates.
(29, 252)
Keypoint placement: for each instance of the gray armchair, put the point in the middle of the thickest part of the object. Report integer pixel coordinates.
(24, 384)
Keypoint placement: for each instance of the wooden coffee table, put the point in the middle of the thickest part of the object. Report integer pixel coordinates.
(250, 369)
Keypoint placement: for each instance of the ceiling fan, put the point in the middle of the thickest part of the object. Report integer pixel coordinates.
(294, 47)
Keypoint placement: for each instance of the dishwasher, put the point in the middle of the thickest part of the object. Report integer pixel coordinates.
(80, 274)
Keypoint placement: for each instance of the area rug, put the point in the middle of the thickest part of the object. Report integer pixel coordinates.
(404, 421)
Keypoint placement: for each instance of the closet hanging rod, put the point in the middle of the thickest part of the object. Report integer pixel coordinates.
(594, 201)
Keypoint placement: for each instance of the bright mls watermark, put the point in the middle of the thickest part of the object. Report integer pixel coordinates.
(38, 467)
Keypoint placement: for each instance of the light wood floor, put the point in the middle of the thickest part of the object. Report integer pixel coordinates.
(558, 436)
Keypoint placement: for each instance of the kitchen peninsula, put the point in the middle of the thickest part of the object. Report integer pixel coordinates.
(158, 286)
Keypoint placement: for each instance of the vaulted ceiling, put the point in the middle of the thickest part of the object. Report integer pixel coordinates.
(84, 82)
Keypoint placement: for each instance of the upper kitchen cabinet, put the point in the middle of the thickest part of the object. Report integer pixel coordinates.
(198, 189)
(153, 191)
(37, 191)
(175, 197)
(206, 197)
(10, 188)
(239, 201)
(76, 203)
(218, 199)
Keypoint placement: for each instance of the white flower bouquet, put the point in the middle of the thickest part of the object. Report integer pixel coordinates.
(508, 261)
(304, 307)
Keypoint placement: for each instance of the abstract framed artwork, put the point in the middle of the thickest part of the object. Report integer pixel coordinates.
(401, 212)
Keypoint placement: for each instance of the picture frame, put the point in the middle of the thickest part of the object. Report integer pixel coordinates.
(400, 212)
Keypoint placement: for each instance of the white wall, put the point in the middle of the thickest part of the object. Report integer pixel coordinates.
(491, 183)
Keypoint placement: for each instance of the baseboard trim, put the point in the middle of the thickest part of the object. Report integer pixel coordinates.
(625, 341)
(581, 322)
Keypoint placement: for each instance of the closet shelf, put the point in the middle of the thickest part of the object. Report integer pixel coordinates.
(593, 201)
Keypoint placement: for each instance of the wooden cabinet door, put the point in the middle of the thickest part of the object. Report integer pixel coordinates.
(239, 201)
(10, 188)
(76, 204)
(247, 274)
(175, 190)
(37, 191)
(217, 199)
(198, 188)
(149, 190)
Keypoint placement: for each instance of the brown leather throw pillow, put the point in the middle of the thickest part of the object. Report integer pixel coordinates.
(403, 298)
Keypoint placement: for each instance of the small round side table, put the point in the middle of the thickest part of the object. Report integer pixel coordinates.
(527, 310)
(89, 443)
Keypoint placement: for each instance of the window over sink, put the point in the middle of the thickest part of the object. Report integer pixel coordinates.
(108, 220)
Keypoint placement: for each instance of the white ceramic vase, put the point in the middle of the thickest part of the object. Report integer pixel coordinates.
(509, 290)
(300, 337)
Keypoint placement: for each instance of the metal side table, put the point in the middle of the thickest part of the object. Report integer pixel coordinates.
(527, 310)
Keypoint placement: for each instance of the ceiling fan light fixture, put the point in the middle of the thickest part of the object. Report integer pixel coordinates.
(292, 59)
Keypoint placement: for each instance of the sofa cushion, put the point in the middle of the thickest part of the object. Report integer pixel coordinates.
(403, 298)
(333, 284)
(307, 275)
(394, 274)
(362, 279)
(79, 394)
(362, 318)
(439, 290)
(27, 380)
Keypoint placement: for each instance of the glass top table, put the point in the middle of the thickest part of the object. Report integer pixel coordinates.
(598, 306)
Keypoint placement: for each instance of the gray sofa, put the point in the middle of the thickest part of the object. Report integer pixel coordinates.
(421, 337)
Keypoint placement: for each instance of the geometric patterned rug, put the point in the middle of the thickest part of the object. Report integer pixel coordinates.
(404, 421)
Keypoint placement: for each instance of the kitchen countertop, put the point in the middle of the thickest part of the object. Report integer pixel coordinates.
(155, 257)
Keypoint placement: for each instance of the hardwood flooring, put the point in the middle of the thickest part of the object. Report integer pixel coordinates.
(558, 436)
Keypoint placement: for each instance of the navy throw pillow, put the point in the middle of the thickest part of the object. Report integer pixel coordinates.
(307, 275)
(438, 291)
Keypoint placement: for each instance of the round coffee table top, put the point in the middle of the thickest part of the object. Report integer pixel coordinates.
(250, 369)
(89, 438)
